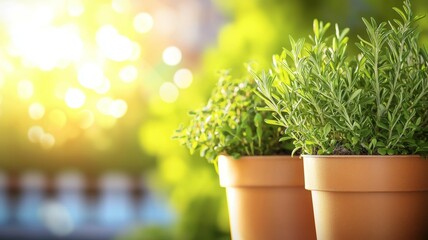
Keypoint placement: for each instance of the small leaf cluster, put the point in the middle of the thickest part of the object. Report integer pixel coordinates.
(375, 102)
(231, 124)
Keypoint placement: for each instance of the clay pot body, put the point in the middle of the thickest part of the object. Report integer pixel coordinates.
(368, 197)
(266, 198)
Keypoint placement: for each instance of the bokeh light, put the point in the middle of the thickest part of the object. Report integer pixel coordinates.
(91, 76)
(143, 22)
(57, 219)
(118, 108)
(47, 140)
(115, 46)
(168, 92)
(96, 54)
(104, 87)
(172, 55)
(36, 111)
(35, 134)
(183, 78)
(115, 108)
(75, 98)
(49, 47)
(128, 74)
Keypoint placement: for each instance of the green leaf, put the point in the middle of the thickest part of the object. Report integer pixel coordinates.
(273, 122)
(382, 151)
(354, 95)
(401, 13)
(258, 120)
(283, 139)
(316, 28)
(354, 140)
(249, 134)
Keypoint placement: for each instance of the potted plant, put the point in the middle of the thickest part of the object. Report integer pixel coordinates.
(265, 189)
(361, 123)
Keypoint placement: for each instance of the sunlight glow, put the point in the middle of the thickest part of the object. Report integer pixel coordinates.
(128, 74)
(73, 67)
(103, 105)
(183, 78)
(25, 89)
(172, 56)
(75, 98)
(36, 111)
(91, 76)
(115, 108)
(118, 108)
(104, 87)
(49, 47)
(113, 45)
(75, 8)
(168, 92)
(143, 22)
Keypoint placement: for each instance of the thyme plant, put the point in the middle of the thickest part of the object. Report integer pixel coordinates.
(230, 123)
(373, 103)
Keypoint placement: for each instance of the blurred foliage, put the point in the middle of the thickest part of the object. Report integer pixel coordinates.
(258, 29)
(255, 30)
(151, 232)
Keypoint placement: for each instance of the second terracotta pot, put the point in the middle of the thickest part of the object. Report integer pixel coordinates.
(369, 197)
(266, 198)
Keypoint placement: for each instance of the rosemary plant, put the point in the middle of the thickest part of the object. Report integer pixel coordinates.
(373, 103)
(230, 123)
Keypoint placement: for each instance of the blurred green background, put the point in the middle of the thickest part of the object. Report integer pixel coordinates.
(100, 86)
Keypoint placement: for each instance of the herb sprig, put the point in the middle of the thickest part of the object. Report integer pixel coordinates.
(230, 123)
(373, 103)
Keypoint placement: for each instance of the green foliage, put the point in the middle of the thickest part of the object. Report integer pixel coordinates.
(231, 124)
(372, 103)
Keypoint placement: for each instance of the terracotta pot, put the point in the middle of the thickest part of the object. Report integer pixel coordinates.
(266, 198)
(369, 197)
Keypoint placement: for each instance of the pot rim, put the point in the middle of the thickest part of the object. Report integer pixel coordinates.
(366, 173)
(360, 156)
(261, 171)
